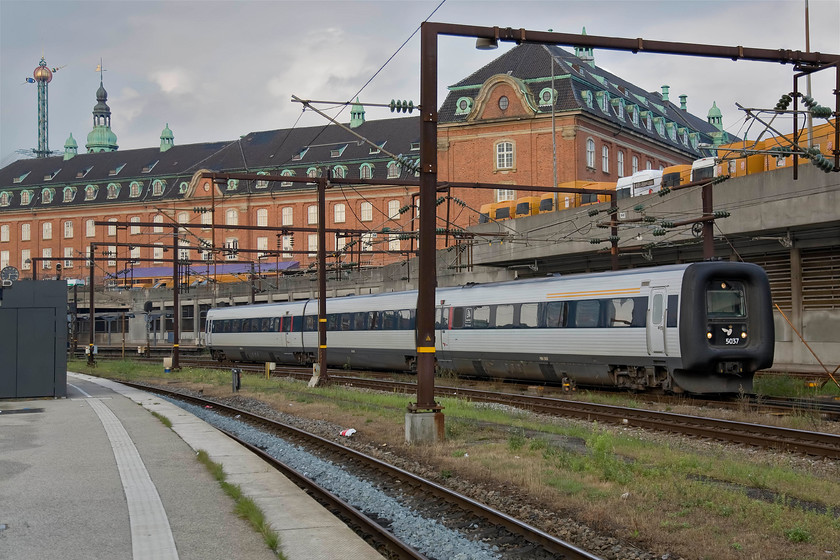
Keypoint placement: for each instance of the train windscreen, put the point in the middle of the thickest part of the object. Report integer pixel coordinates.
(725, 299)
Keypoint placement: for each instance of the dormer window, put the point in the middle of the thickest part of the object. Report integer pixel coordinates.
(586, 95)
(51, 176)
(377, 149)
(69, 194)
(134, 189)
(366, 171)
(261, 184)
(660, 125)
(603, 100)
(415, 146)
(25, 197)
(113, 190)
(148, 168)
(116, 170)
(90, 192)
(232, 184)
(633, 111)
(547, 96)
(47, 195)
(182, 188)
(618, 106)
(393, 170)
(287, 173)
(5, 198)
(157, 187)
(21, 178)
(81, 174)
(336, 152)
(339, 172)
(299, 156)
(463, 106)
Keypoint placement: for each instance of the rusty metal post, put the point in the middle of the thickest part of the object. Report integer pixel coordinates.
(176, 303)
(427, 272)
(319, 371)
(91, 361)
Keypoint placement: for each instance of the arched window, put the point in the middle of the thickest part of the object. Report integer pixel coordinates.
(504, 155)
(134, 189)
(393, 209)
(635, 164)
(367, 212)
(339, 172)
(366, 171)
(620, 163)
(287, 173)
(157, 187)
(605, 159)
(287, 216)
(393, 170)
(339, 213)
(590, 153)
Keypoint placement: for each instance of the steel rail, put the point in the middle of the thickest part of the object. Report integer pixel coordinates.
(493, 516)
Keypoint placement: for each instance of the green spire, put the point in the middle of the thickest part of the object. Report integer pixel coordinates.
(167, 139)
(71, 148)
(715, 117)
(357, 114)
(101, 138)
(585, 53)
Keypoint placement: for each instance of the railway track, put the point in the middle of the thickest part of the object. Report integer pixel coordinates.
(505, 535)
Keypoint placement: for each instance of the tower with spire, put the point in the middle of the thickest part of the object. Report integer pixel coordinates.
(43, 75)
(586, 54)
(101, 138)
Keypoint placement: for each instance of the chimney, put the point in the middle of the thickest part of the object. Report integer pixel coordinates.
(683, 99)
(665, 92)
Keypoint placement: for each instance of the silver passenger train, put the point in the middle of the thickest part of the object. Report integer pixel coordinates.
(698, 328)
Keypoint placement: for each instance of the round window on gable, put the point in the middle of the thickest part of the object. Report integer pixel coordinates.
(503, 102)
(546, 96)
(463, 106)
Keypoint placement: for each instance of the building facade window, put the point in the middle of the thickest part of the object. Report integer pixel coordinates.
(4, 259)
(68, 257)
(25, 232)
(288, 245)
(393, 242)
(262, 246)
(134, 189)
(47, 196)
(367, 212)
(393, 170)
(5, 233)
(620, 158)
(262, 217)
(112, 255)
(287, 173)
(90, 228)
(339, 212)
(312, 214)
(340, 242)
(367, 241)
(366, 171)
(113, 190)
(158, 219)
(135, 230)
(503, 195)
(46, 255)
(157, 187)
(231, 248)
(69, 194)
(339, 172)
(112, 230)
(590, 153)
(393, 209)
(232, 217)
(158, 252)
(68, 229)
(25, 259)
(605, 159)
(312, 244)
(46, 230)
(504, 155)
(635, 167)
(90, 192)
(287, 216)
(649, 165)
(25, 197)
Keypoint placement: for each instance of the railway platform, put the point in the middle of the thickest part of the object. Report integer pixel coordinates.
(95, 475)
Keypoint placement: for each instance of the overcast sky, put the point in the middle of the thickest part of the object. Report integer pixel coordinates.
(216, 70)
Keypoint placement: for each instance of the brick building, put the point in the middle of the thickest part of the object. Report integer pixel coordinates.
(495, 126)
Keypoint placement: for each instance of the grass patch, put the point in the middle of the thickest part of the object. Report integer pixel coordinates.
(787, 386)
(163, 419)
(244, 506)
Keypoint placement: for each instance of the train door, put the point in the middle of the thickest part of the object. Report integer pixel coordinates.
(442, 331)
(656, 320)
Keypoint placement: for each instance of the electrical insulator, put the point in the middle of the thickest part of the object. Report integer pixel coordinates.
(603, 225)
(648, 219)
(664, 190)
(821, 112)
(823, 163)
(401, 106)
(667, 224)
(614, 238)
(809, 101)
(784, 102)
(596, 241)
(593, 212)
(658, 232)
(722, 214)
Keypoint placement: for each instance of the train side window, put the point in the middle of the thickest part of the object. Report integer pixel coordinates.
(346, 321)
(310, 323)
(458, 317)
(587, 313)
(389, 320)
(620, 312)
(672, 311)
(266, 325)
(235, 325)
(529, 315)
(286, 325)
(405, 318)
(374, 320)
(555, 314)
(360, 321)
(480, 317)
(333, 322)
(504, 317)
(442, 318)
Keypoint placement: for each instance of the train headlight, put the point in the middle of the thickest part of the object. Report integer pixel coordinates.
(709, 335)
(743, 334)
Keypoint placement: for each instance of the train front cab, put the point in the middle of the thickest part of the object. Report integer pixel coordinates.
(726, 327)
